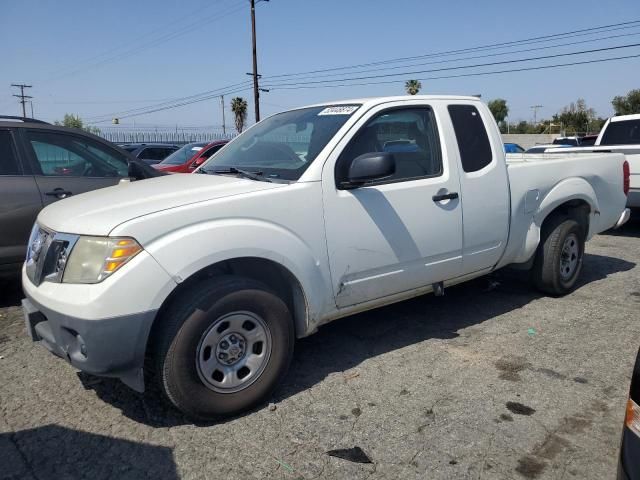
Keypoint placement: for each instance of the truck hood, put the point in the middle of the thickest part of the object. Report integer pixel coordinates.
(100, 211)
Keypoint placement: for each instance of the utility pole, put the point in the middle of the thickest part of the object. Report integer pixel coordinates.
(22, 96)
(256, 89)
(31, 105)
(224, 124)
(535, 113)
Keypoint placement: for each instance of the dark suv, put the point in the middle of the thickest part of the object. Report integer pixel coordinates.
(40, 164)
(150, 153)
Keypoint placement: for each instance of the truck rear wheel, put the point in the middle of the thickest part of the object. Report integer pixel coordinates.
(558, 260)
(223, 347)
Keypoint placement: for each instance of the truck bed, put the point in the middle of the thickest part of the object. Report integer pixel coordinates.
(632, 154)
(534, 179)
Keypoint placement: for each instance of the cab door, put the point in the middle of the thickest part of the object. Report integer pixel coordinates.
(484, 185)
(402, 232)
(67, 164)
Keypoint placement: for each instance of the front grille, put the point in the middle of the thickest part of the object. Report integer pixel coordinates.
(47, 255)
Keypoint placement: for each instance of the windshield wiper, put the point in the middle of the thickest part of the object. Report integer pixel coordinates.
(244, 173)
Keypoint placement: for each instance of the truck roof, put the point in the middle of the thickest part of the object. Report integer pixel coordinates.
(623, 118)
(378, 100)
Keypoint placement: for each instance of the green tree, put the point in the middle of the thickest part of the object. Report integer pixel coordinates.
(499, 110)
(627, 104)
(412, 86)
(74, 121)
(575, 117)
(239, 109)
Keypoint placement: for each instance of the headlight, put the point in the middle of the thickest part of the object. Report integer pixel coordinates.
(95, 258)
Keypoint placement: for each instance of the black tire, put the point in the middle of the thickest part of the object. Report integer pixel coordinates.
(186, 321)
(548, 273)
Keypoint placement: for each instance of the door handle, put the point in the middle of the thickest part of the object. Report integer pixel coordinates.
(445, 196)
(59, 193)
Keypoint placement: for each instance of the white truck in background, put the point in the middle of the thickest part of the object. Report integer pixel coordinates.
(310, 215)
(620, 134)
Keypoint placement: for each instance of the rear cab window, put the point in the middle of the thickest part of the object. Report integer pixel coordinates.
(472, 137)
(624, 132)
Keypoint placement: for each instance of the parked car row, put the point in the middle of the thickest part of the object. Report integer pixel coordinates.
(42, 163)
(189, 157)
(620, 134)
(150, 153)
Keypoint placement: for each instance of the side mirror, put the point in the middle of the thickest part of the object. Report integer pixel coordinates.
(368, 167)
(139, 170)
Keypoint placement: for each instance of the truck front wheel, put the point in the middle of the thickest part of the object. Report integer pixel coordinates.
(558, 260)
(223, 347)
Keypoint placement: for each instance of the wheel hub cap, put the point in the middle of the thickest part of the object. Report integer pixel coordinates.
(570, 257)
(233, 352)
(231, 348)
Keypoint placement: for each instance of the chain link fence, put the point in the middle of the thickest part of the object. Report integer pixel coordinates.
(176, 136)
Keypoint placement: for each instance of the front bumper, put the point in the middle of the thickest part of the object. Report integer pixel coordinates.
(112, 347)
(629, 463)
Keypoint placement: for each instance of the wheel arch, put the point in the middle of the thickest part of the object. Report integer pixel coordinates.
(572, 198)
(272, 274)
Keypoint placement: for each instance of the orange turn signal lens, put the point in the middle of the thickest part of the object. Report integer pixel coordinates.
(123, 251)
(632, 419)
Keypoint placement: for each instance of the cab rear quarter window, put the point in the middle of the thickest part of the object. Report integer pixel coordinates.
(471, 134)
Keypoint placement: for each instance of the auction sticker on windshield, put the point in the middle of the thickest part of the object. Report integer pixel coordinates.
(339, 110)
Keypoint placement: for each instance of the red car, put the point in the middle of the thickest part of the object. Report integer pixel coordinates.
(189, 157)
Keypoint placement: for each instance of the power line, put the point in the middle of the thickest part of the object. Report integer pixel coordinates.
(339, 82)
(169, 100)
(533, 49)
(161, 28)
(152, 43)
(22, 96)
(215, 92)
(168, 107)
(418, 72)
(539, 39)
(474, 74)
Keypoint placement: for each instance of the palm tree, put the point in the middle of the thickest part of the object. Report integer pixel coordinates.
(412, 86)
(239, 109)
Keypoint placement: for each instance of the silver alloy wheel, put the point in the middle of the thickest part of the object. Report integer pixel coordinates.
(570, 256)
(233, 352)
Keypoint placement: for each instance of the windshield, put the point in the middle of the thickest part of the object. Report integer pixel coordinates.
(625, 132)
(183, 154)
(284, 145)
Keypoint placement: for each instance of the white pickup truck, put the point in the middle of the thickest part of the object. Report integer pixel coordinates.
(310, 215)
(620, 134)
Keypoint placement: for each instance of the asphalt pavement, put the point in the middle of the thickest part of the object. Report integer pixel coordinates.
(491, 381)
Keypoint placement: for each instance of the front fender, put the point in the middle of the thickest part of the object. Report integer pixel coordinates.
(188, 250)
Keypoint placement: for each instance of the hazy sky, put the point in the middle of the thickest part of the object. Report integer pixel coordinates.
(99, 58)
